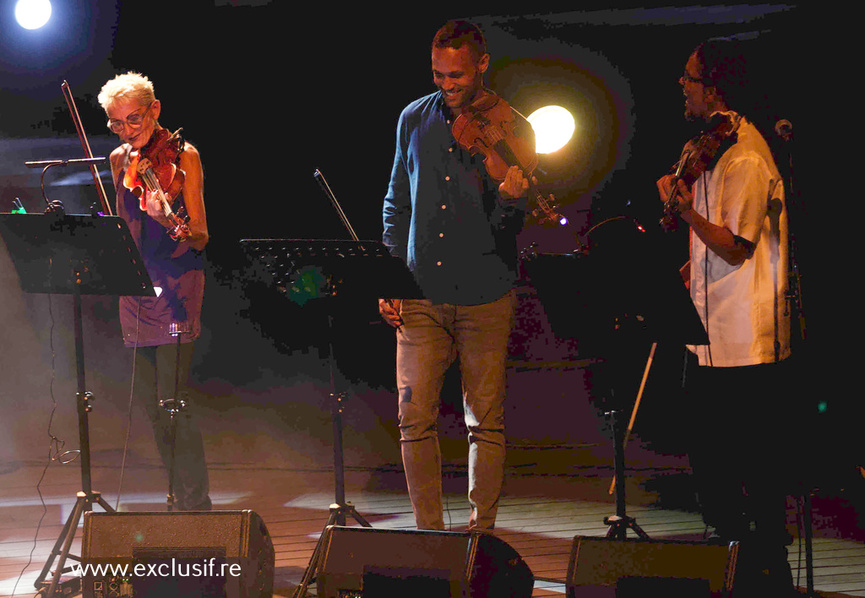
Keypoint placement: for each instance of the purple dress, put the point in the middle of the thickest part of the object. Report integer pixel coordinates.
(176, 270)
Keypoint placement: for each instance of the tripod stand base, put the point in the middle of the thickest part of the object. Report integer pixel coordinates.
(67, 586)
(337, 516)
(56, 587)
(619, 526)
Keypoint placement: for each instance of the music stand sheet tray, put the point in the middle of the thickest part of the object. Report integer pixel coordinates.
(621, 274)
(359, 269)
(69, 254)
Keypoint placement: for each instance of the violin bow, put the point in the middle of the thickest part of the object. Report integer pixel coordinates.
(88, 153)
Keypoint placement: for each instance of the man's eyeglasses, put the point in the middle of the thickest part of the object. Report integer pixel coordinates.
(134, 120)
(687, 77)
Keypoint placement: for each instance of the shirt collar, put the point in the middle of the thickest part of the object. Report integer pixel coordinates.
(440, 105)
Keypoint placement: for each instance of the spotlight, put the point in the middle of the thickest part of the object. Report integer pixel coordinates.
(32, 14)
(554, 126)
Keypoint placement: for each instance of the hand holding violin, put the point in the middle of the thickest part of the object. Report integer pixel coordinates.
(683, 199)
(698, 156)
(190, 227)
(489, 126)
(177, 226)
(194, 230)
(515, 185)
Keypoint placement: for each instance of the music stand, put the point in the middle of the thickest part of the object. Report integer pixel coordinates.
(351, 272)
(619, 279)
(75, 255)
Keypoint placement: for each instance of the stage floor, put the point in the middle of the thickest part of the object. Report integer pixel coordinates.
(267, 427)
(542, 510)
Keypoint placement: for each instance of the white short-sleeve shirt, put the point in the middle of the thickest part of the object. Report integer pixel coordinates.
(743, 307)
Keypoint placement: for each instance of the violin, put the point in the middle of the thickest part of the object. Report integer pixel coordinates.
(490, 126)
(155, 168)
(699, 155)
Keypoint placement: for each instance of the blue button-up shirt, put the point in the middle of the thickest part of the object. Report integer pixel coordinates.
(442, 213)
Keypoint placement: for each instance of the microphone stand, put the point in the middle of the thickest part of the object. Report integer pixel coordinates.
(784, 130)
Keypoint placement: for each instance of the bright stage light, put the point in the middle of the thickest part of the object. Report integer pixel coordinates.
(554, 126)
(32, 14)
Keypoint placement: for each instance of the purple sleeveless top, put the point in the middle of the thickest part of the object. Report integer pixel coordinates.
(176, 270)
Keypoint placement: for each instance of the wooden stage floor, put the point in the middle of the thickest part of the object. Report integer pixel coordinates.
(540, 514)
(269, 444)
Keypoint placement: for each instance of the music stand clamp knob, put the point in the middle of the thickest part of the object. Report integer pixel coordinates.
(173, 406)
(85, 398)
(176, 329)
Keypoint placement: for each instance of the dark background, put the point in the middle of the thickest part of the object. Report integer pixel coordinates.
(271, 91)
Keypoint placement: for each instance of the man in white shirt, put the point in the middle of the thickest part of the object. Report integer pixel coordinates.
(738, 280)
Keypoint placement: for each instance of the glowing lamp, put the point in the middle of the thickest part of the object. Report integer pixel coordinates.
(554, 126)
(32, 14)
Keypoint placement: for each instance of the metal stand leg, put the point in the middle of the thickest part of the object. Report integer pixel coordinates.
(809, 552)
(339, 508)
(62, 546)
(174, 406)
(620, 523)
(86, 497)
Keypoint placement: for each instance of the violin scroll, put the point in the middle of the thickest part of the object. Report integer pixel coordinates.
(545, 211)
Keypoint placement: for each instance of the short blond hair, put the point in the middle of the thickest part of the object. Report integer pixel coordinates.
(129, 86)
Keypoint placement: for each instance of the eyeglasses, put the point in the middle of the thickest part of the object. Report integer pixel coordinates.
(134, 120)
(691, 79)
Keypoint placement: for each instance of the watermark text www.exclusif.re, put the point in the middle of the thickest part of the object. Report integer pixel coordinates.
(183, 568)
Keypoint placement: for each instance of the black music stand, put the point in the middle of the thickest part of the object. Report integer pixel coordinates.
(75, 255)
(618, 280)
(352, 272)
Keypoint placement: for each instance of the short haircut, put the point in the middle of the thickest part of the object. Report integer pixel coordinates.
(455, 34)
(129, 86)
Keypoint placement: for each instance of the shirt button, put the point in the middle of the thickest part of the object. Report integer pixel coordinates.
(444, 207)
(447, 178)
(438, 263)
(441, 235)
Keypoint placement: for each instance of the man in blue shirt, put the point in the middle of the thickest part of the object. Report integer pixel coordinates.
(456, 229)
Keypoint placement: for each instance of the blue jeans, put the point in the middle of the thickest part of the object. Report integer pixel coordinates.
(431, 337)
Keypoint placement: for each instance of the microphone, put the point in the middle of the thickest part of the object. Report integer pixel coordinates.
(784, 129)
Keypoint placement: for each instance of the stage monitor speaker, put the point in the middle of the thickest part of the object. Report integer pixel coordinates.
(604, 567)
(369, 562)
(160, 554)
